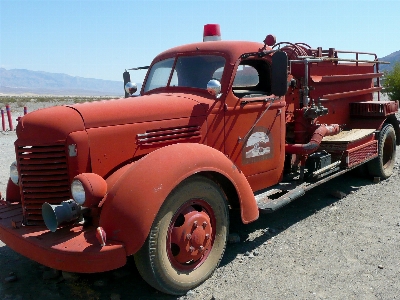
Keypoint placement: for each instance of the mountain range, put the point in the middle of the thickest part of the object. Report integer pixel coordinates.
(21, 81)
(392, 58)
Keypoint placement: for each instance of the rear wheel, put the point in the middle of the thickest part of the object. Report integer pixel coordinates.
(187, 238)
(382, 166)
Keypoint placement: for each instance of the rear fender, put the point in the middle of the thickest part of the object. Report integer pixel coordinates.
(135, 198)
(391, 119)
(378, 123)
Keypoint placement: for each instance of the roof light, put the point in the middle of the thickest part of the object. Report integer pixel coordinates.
(212, 32)
(270, 40)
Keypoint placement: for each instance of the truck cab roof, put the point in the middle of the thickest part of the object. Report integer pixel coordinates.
(230, 49)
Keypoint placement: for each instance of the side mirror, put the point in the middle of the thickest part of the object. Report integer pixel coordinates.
(127, 78)
(279, 73)
(214, 88)
(130, 88)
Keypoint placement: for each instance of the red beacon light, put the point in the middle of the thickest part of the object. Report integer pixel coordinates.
(212, 32)
(270, 40)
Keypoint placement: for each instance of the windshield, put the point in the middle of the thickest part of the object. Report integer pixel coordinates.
(189, 71)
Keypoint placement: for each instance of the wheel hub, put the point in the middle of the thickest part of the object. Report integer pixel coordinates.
(190, 235)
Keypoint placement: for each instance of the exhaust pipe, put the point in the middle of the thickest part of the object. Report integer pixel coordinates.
(55, 215)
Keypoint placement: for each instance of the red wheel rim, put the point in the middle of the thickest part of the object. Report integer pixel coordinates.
(191, 235)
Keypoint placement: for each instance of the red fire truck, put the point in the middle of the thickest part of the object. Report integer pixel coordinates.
(218, 126)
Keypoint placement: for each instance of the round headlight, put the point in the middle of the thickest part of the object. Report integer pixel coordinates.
(78, 192)
(14, 173)
(88, 189)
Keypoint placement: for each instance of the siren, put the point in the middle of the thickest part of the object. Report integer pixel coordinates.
(270, 40)
(55, 215)
(212, 32)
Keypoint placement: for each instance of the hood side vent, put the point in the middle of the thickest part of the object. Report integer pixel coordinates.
(169, 135)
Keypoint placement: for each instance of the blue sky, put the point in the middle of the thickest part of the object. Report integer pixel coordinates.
(99, 39)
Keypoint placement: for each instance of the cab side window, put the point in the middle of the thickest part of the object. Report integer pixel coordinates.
(252, 79)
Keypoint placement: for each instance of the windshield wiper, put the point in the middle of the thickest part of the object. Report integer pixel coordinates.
(140, 68)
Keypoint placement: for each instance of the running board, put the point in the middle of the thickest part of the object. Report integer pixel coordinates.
(283, 193)
(268, 205)
(325, 171)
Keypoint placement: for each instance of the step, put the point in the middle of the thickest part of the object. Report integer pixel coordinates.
(267, 204)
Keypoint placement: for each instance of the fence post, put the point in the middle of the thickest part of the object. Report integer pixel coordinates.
(9, 117)
(3, 121)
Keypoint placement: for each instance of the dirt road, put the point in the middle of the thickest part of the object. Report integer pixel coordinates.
(318, 247)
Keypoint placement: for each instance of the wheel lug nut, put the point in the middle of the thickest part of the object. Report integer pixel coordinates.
(204, 224)
(188, 236)
(201, 248)
(207, 236)
(195, 224)
(191, 249)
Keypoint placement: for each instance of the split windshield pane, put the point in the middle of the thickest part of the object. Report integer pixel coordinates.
(159, 74)
(189, 71)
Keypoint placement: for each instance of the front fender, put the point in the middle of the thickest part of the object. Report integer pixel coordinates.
(137, 195)
(12, 193)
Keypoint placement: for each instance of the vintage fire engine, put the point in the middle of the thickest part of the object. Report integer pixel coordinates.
(218, 126)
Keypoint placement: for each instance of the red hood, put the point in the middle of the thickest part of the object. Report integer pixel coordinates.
(48, 125)
(140, 109)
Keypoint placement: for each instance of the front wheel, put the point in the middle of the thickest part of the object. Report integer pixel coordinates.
(187, 238)
(382, 166)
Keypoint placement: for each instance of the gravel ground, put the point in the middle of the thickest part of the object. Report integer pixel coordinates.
(318, 247)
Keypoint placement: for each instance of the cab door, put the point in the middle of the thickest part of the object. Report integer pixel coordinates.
(255, 125)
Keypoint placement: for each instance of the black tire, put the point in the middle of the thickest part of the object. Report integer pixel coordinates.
(193, 216)
(382, 166)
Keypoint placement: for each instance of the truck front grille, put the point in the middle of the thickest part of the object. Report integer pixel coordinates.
(44, 178)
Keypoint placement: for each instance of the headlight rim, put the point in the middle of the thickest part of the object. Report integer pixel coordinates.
(79, 196)
(14, 174)
(94, 186)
